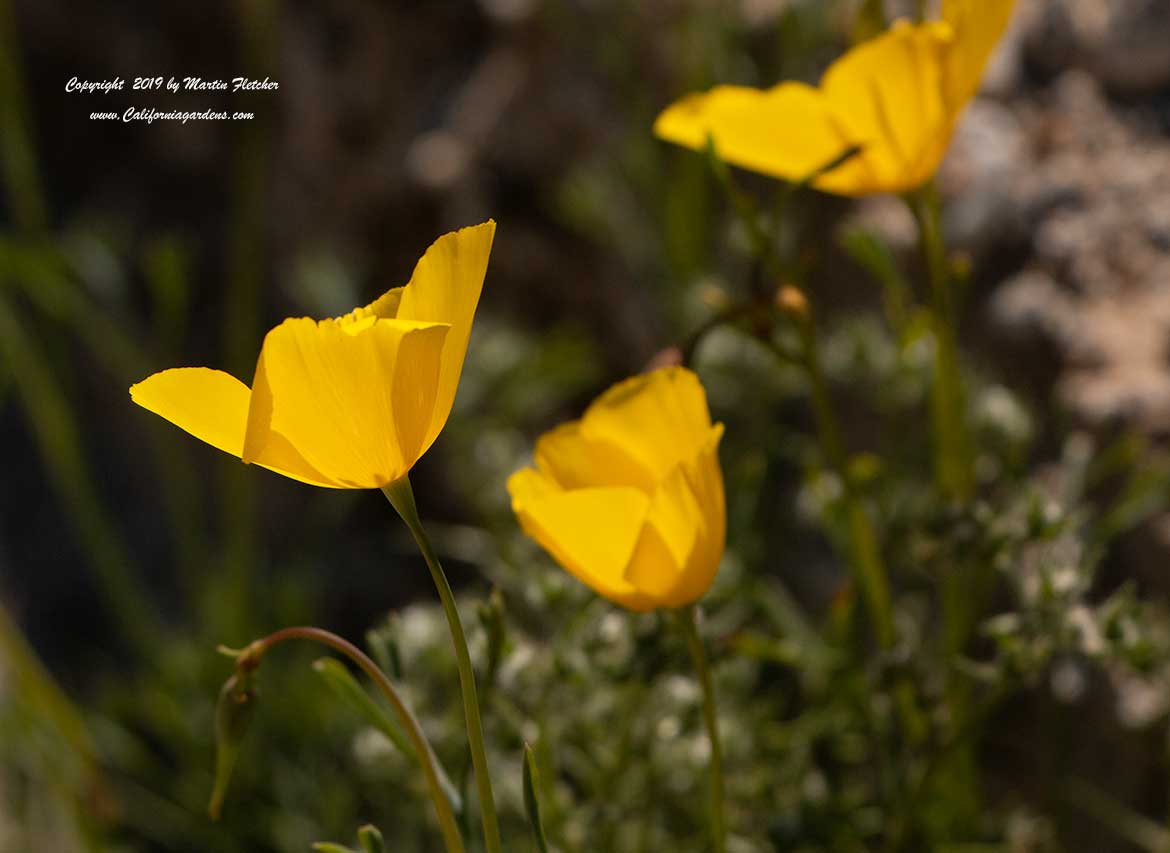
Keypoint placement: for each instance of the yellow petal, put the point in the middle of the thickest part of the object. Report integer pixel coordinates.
(978, 25)
(897, 97)
(209, 404)
(887, 92)
(576, 461)
(213, 406)
(590, 532)
(658, 418)
(445, 288)
(705, 478)
(787, 132)
(354, 397)
(667, 541)
(681, 544)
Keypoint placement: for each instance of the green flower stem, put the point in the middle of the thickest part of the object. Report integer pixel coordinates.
(954, 460)
(865, 555)
(18, 158)
(401, 497)
(953, 450)
(953, 454)
(863, 541)
(35, 686)
(57, 431)
(864, 546)
(688, 621)
(250, 659)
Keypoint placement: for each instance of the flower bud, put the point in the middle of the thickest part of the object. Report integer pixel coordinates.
(233, 714)
(791, 300)
(370, 839)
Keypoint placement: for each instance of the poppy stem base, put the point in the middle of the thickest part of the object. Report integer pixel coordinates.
(401, 497)
(688, 621)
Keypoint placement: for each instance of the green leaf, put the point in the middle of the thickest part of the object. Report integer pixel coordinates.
(491, 617)
(346, 688)
(531, 803)
(383, 646)
(872, 254)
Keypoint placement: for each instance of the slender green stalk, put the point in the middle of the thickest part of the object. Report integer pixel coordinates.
(17, 152)
(531, 779)
(688, 621)
(35, 685)
(953, 454)
(864, 546)
(863, 541)
(953, 450)
(401, 497)
(56, 432)
(251, 656)
(865, 554)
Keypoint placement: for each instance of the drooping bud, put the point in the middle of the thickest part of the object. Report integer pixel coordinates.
(233, 714)
(370, 839)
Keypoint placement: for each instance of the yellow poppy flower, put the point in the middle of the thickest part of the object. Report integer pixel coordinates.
(629, 499)
(896, 98)
(350, 402)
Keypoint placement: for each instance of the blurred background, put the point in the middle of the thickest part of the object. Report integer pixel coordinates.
(129, 551)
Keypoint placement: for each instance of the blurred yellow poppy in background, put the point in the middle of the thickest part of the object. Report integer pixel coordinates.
(345, 403)
(629, 499)
(896, 98)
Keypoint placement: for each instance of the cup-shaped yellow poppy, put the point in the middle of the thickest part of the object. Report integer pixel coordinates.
(629, 499)
(895, 99)
(350, 402)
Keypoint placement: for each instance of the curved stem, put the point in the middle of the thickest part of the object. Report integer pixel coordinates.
(401, 497)
(426, 756)
(687, 619)
(727, 316)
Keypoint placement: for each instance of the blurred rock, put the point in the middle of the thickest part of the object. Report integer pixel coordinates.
(438, 159)
(1124, 43)
(979, 176)
(1091, 185)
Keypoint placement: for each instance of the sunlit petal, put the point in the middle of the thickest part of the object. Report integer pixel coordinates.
(896, 98)
(981, 24)
(445, 288)
(354, 399)
(888, 93)
(658, 418)
(351, 402)
(590, 532)
(787, 132)
(213, 406)
(576, 461)
(630, 498)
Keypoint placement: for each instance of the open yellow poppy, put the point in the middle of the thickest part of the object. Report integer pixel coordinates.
(345, 403)
(896, 98)
(629, 499)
